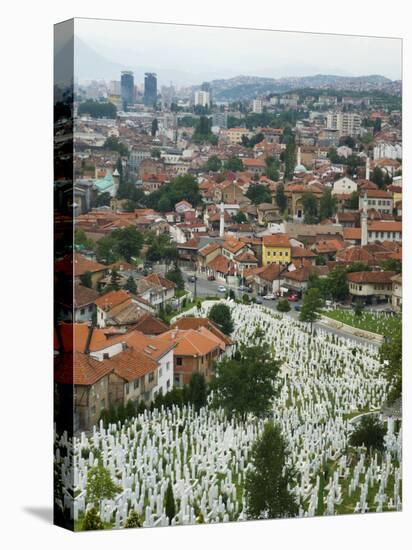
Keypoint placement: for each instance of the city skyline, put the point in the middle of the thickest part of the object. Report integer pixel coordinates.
(260, 53)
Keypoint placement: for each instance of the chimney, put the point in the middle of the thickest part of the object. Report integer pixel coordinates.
(89, 339)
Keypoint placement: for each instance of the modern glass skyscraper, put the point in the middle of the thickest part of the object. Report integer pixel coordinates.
(150, 89)
(127, 88)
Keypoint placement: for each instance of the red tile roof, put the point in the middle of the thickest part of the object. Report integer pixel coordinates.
(278, 240)
(79, 369)
(372, 277)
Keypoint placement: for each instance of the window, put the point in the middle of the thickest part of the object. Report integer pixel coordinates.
(168, 384)
(82, 311)
(90, 308)
(179, 361)
(151, 376)
(168, 365)
(136, 384)
(105, 356)
(280, 253)
(160, 373)
(127, 388)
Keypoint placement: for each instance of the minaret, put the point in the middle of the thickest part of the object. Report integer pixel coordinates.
(116, 182)
(364, 218)
(222, 221)
(299, 159)
(368, 168)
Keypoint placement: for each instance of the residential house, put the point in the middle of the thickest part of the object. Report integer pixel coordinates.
(156, 290)
(76, 306)
(118, 308)
(370, 286)
(195, 352)
(75, 265)
(276, 249)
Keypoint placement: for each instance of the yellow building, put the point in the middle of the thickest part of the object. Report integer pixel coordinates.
(276, 249)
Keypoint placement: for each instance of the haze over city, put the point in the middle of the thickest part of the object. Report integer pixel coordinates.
(106, 47)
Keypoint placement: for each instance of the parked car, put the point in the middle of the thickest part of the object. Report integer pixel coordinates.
(297, 307)
(211, 278)
(258, 300)
(221, 288)
(293, 298)
(245, 289)
(192, 278)
(269, 297)
(328, 303)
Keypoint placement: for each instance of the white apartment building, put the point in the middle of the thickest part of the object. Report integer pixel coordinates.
(348, 124)
(387, 151)
(202, 98)
(257, 106)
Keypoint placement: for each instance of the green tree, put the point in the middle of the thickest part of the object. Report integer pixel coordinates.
(280, 197)
(267, 482)
(86, 279)
(92, 521)
(310, 208)
(175, 275)
(129, 242)
(283, 305)
(198, 390)
(327, 207)
(368, 433)
(234, 164)
(239, 217)
(390, 354)
(220, 314)
(155, 127)
(133, 520)
(103, 199)
(113, 143)
(392, 264)
(337, 284)
(258, 193)
(358, 266)
(245, 383)
(100, 485)
(290, 160)
(378, 177)
(106, 250)
(312, 304)
(353, 202)
(97, 109)
(213, 164)
(131, 285)
(170, 505)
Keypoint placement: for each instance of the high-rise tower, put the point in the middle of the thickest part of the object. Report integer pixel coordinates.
(150, 89)
(127, 88)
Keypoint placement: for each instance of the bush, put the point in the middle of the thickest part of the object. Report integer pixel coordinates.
(283, 305)
(369, 433)
(92, 521)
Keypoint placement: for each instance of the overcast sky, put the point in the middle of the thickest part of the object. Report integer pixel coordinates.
(204, 53)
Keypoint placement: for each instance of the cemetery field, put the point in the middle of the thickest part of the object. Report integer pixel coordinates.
(380, 323)
(326, 380)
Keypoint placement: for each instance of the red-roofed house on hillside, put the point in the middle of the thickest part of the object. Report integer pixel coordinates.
(195, 351)
(370, 286)
(75, 265)
(110, 369)
(156, 290)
